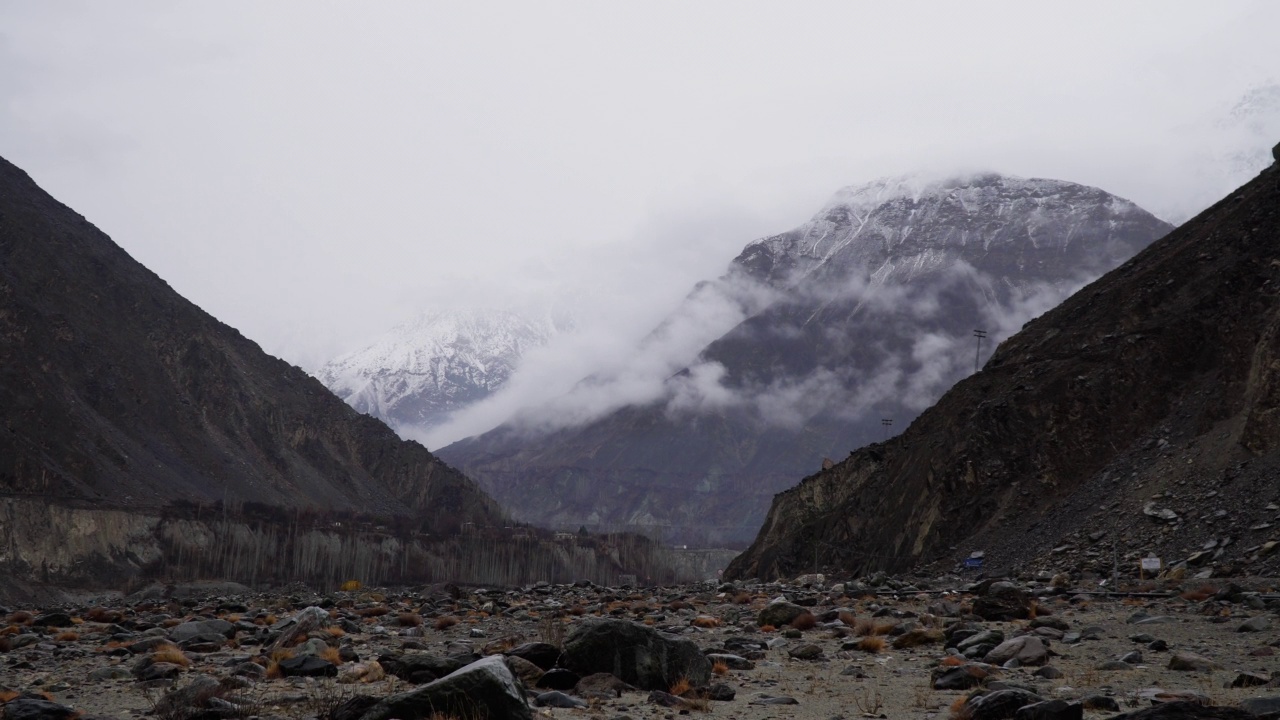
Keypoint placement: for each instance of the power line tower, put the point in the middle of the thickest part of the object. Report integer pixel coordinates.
(887, 423)
(980, 334)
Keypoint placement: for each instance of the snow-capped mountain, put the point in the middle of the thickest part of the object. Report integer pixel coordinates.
(869, 317)
(443, 360)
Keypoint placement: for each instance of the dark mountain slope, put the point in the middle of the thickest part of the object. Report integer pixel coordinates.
(876, 299)
(115, 391)
(1159, 380)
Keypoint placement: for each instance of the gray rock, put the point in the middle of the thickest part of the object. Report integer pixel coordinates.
(1115, 665)
(1186, 711)
(806, 652)
(960, 677)
(1188, 661)
(779, 614)
(774, 700)
(544, 655)
(1051, 710)
(986, 637)
(1261, 705)
(557, 699)
(298, 626)
(1027, 650)
(999, 705)
(188, 630)
(307, 666)
(485, 688)
(636, 654)
(1260, 623)
(112, 672)
(733, 662)
(28, 708)
(1133, 657)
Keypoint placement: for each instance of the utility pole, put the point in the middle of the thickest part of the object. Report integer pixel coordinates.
(978, 352)
(886, 422)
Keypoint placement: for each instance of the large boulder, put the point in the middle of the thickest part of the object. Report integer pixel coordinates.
(1026, 649)
(780, 613)
(1003, 601)
(484, 689)
(634, 653)
(189, 630)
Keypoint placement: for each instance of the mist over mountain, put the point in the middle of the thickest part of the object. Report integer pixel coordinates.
(865, 313)
(420, 372)
(1144, 410)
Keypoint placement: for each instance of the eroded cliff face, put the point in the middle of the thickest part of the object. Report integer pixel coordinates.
(1178, 343)
(96, 549)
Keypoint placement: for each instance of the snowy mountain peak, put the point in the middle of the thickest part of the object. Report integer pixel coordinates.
(440, 361)
(922, 223)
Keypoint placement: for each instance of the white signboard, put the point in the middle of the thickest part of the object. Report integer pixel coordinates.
(1151, 564)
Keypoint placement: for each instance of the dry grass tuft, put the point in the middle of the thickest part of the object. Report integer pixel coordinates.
(960, 708)
(11, 630)
(1200, 594)
(871, 644)
(170, 654)
(720, 667)
(171, 622)
(373, 611)
(66, 636)
(706, 621)
(7, 695)
(951, 661)
(767, 628)
(676, 605)
(409, 619)
(1033, 609)
(350, 585)
(21, 617)
(681, 687)
(446, 622)
(335, 631)
(848, 618)
(331, 654)
(742, 598)
(273, 666)
(804, 621)
(103, 615)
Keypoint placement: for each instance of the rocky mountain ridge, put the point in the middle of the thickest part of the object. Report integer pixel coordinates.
(871, 308)
(142, 438)
(1151, 390)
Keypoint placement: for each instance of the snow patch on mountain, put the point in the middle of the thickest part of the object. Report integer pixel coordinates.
(422, 371)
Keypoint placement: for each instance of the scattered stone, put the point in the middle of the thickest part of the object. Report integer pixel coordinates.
(806, 652)
(1100, 702)
(558, 679)
(1051, 710)
(1027, 650)
(999, 704)
(307, 666)
(733, 662)
(1260, 623)
(1248, 679)
(780, 613)
(485, 688)
(1189, 661)
(557, 699)
(30, 708)
(604, 686)
(636, 654)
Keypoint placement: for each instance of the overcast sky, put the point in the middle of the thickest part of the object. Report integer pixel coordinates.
(313, 173)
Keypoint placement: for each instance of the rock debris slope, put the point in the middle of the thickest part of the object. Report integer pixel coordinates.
(1155, 388)
(117, 392)
(865, 312)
